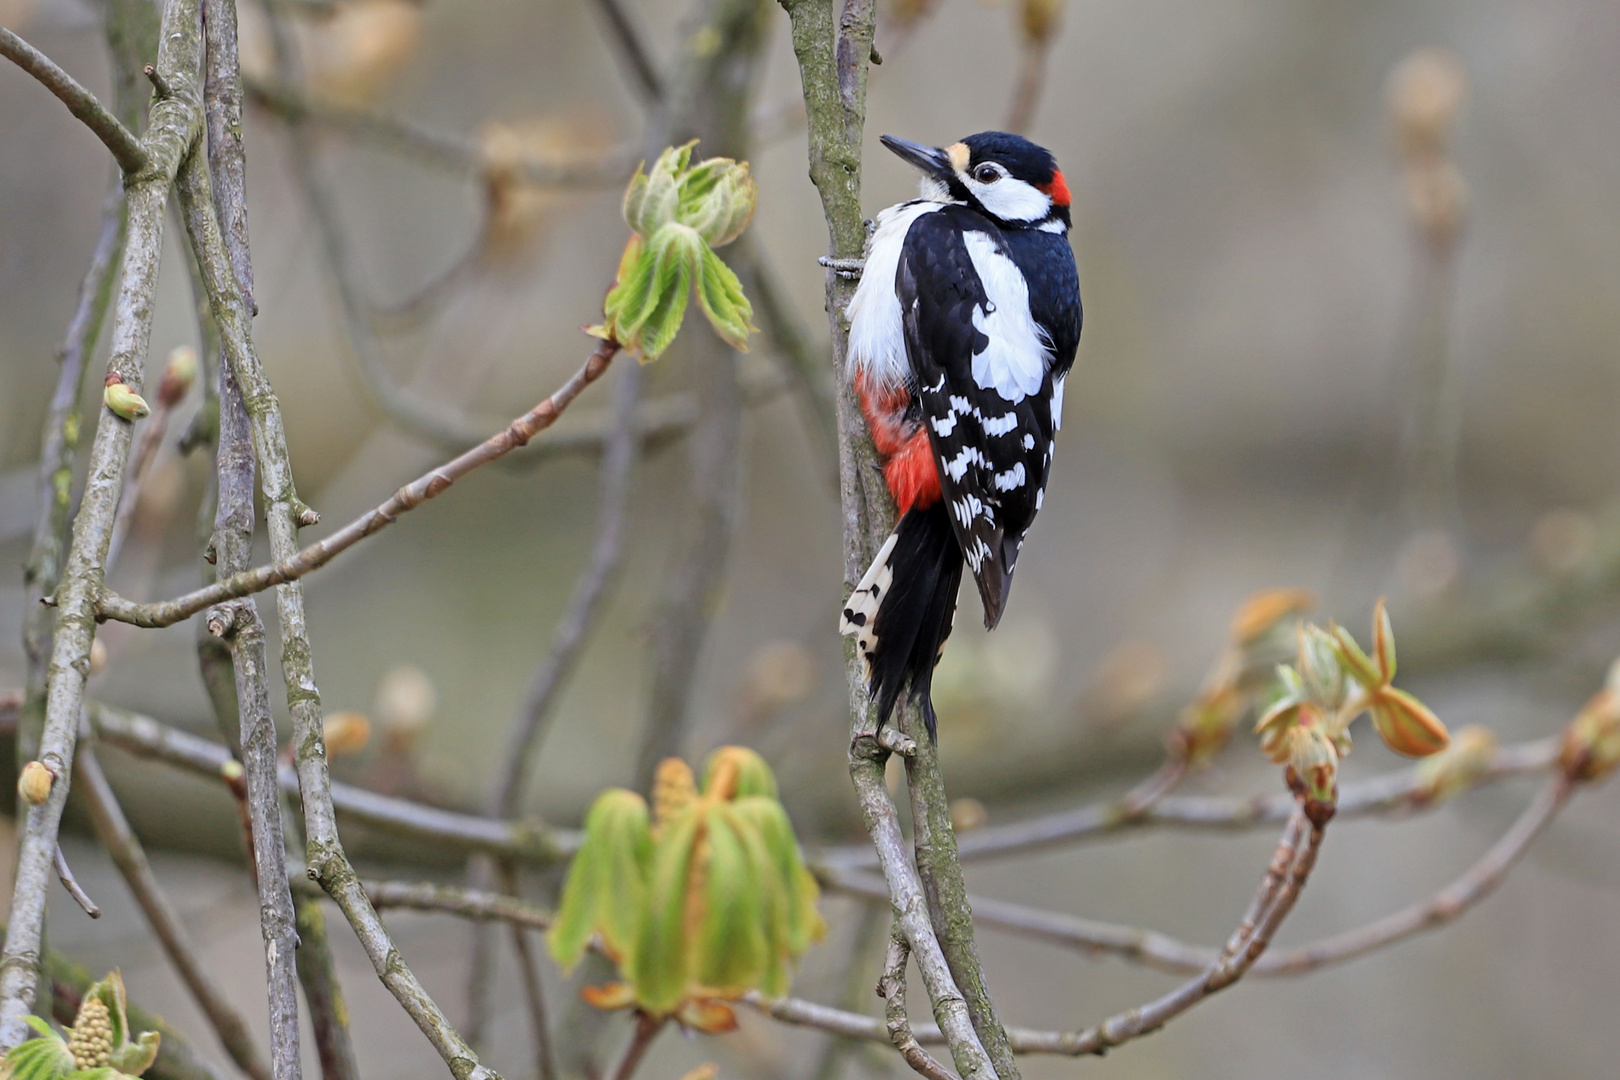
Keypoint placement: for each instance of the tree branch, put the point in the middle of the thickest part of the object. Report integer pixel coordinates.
(175, 122)
(1392, 792)
(113, 830)
(126, 149)
(284, 513)
(531, 843)
(892, 989)
(300, 562)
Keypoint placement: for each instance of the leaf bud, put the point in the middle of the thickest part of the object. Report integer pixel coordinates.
(98, 657)
(1266, 610)
(345, 732)
(178, 375)
(1591, 747)
(1405, 724)
(1458, 767)
(651, 198)
(968, 815)
(718, 199)
(123, 401)
(34, 782)
(1425, 92)
(1314, 761)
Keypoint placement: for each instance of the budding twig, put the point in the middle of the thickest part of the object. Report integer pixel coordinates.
(64, 872)
(407, 498)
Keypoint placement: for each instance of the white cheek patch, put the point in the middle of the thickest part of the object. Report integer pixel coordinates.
(877, 343)
(1014, 360)
(1009, 199)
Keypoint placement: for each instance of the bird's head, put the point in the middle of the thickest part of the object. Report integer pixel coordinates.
(1006, 176)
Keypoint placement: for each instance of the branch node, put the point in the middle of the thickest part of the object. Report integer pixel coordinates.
(159, 83)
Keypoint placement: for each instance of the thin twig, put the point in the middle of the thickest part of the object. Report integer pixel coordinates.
(1286, 875)
(113, 830)
(629, 46)
(647, 1029)
(422, 145)
(173, 128)
(585, 605)
(1391, 792)
(154, 430)
(534, 993)
(1165, 953)
(64, 873)
(452, 900)
(531, 843)
(1469, 888)
(131, 156)
(407, 498)
(892, 989)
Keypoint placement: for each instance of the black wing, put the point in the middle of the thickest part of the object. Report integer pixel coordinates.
(992, 454)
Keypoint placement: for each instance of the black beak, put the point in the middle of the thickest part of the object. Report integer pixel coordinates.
(931, 160)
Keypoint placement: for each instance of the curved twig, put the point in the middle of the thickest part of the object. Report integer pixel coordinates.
(132, 157)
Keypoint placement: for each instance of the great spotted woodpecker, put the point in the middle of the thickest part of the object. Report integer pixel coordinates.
(961, 332)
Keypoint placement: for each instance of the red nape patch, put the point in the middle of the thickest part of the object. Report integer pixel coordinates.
(912, 476)
(1058, 188)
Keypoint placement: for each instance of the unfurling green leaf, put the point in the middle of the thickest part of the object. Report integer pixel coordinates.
(728, 904)
(606, 889)
(721, 296)
(680, 212)
(661, 966)
(731, 943)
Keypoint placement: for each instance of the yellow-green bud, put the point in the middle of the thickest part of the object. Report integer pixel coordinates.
(1313, 761)
(178, 376)
(719, 200)
(34, 782)
(125, 402)
(1406, 725)
(1592, 741)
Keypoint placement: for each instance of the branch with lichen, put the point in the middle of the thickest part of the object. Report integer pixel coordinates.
(115, 834)
(285, 512)
(174, 125)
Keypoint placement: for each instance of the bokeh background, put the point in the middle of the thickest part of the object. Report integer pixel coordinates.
(1249, 398)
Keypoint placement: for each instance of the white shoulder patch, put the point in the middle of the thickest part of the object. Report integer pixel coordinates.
(877, 340)
(1057, 403)
(1014, 362)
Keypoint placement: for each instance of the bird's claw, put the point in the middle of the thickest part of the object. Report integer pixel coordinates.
(847, 268)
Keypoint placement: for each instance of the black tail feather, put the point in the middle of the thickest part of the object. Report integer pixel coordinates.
(915, 617)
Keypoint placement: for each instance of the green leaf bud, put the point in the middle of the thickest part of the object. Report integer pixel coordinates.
(605, 893)
(124, 402)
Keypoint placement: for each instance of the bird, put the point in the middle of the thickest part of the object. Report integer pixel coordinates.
(961, 333)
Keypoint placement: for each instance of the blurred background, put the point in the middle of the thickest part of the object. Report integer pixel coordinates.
(1350, 326)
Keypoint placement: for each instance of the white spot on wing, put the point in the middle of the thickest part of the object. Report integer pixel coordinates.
(1029, 441)
(1000, 425)
(958, 465)
(1014, 360)
(944, 425)
(1012, 478)
(1057, 402)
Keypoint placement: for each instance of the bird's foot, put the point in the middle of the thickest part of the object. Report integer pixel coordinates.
(846, 268)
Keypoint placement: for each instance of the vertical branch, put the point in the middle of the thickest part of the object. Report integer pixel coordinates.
(113, 830)
(238, 622)
(328, 1012)
(285, 512)
(833, 66)
(174, 126)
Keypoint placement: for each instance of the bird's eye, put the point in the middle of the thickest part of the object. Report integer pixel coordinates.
(987, 174)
